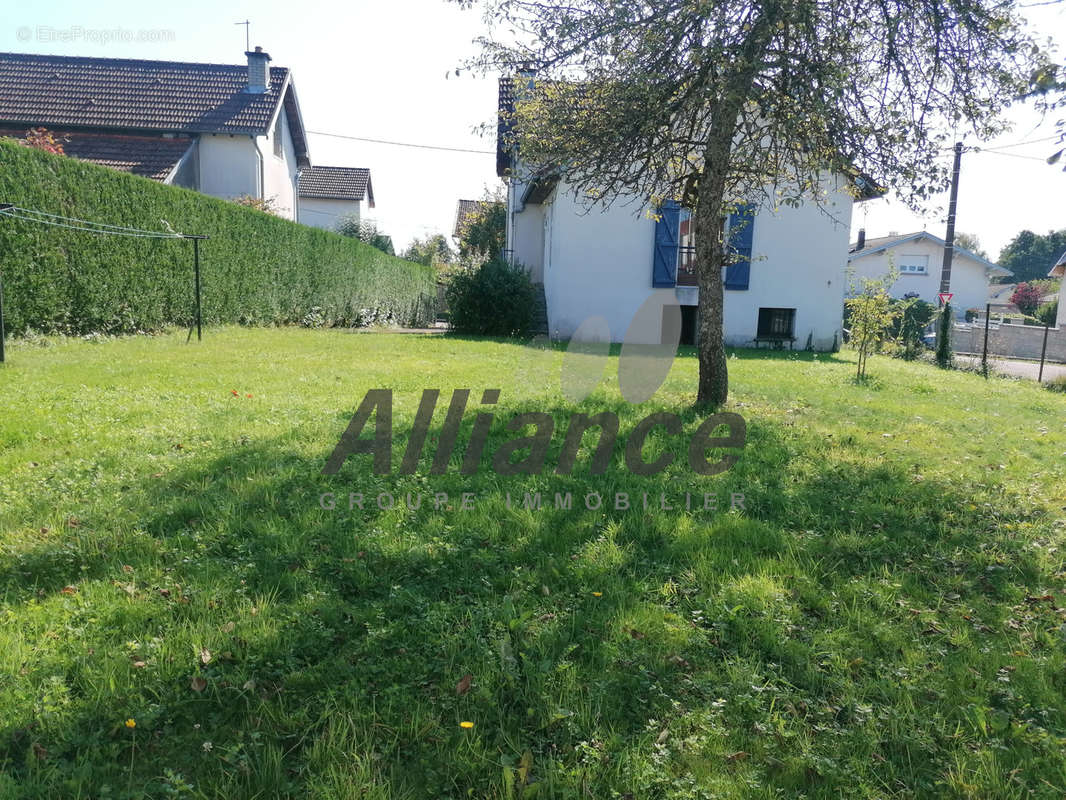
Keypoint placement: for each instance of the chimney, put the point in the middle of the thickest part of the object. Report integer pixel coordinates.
(862, 239)
(258, 71)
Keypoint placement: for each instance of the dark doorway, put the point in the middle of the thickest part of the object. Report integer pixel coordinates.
(688, 325)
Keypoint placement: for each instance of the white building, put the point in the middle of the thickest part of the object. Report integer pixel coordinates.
(919, 257)
(1059, 271)
(607, 262)
(331, 194)
(221, 129)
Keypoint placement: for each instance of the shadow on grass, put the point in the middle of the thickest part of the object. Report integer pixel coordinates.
(627, 650)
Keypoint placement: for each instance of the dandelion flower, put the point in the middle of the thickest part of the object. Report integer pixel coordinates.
(597, 594)
(131, 723)
(466, 724)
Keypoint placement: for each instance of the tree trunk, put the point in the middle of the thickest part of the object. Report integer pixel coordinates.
(714, 376)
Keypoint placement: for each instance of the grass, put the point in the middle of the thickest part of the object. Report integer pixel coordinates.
(884, 618)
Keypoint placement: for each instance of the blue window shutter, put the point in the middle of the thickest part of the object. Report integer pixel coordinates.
(664, 257)
(741, 235)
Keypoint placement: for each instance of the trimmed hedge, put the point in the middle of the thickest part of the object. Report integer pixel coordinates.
(256, 269)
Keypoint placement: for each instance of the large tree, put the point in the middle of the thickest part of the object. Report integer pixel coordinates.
(1031, 255)
(719, 102)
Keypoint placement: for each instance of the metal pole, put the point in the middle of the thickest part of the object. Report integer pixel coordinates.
(1043, 352)
(196, 269)
(984, 355)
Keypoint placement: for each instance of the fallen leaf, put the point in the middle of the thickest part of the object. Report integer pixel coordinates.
(69, 590)
(635, 633)
(139, 665)
(164, 592)
(664, 734)
(198, 684)
(228, 627)
(127, 568)
(463, 686)
(205, 656)
(740, 755)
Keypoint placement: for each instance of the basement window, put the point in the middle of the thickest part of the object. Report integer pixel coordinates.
(776, 323)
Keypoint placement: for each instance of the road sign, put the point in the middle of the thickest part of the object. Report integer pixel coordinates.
(945, 297)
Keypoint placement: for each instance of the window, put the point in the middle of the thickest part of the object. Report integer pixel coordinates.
(279, 140)
(914, 265)
(776, 323)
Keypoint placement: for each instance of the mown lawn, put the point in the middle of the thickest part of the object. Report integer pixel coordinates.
(886, 617)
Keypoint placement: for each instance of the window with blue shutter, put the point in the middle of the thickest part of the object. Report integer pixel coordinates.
(664, 257)
(741, 235)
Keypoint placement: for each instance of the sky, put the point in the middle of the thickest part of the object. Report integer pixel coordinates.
(386, 71)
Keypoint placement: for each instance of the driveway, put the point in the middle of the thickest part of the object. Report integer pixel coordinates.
(1016, 368)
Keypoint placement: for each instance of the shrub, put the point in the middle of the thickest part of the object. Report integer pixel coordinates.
(1048, 312)
(907, 329)
(256, 268)
(366, 232)
(1027, 297)
(493, 299)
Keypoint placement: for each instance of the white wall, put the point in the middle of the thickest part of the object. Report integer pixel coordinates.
(599, 262)
(322, 213)
(279, 173)
(229, 166)
(969, 280)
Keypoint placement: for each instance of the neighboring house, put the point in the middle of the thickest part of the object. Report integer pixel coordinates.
(1059, 271)
(330, 194)
(919, 257)
(1001, 293)
(221, 129)
(594, 261)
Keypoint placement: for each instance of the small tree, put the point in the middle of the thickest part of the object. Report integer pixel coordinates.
(870, 313)
(1048, 313)
(1027, 297)
(365, 231)
(483, 234)
(433, 251)
(944, 354)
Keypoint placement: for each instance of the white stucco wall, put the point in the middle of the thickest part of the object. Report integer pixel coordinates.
(323, 213)
(599, 262)
(969, 279)
(279, 172)
(229, 166)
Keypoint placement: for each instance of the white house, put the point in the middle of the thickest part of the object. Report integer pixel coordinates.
(918, 257)
(331, 194)
(225, 130)
(788, 285)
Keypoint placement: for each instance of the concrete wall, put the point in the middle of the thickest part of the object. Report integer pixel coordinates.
(969, 281)
(599, 262)
(1011, 341)
(323, 213)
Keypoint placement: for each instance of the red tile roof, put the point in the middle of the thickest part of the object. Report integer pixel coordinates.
(148, 156)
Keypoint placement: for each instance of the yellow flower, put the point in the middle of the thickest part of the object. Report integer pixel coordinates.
(597, 594)
(131, 723)
(466, 724)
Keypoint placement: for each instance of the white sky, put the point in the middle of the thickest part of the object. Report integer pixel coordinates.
(377, 70)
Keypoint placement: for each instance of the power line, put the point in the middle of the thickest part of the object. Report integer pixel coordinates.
(1012, 155)
(406, 144)
(1019, 144)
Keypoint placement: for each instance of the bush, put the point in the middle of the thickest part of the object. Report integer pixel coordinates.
(257, 268)
(1048, 312)
(908, 328)
(1027, 297)
(493, 299)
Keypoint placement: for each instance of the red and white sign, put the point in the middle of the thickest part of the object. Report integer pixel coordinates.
(945, 297)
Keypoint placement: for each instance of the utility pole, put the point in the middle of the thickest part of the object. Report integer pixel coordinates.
(943, 343)
(949, 237)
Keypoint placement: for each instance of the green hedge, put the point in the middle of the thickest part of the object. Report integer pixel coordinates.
(256, 268)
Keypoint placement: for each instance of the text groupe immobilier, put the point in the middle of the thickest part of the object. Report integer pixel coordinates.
(536, 501)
